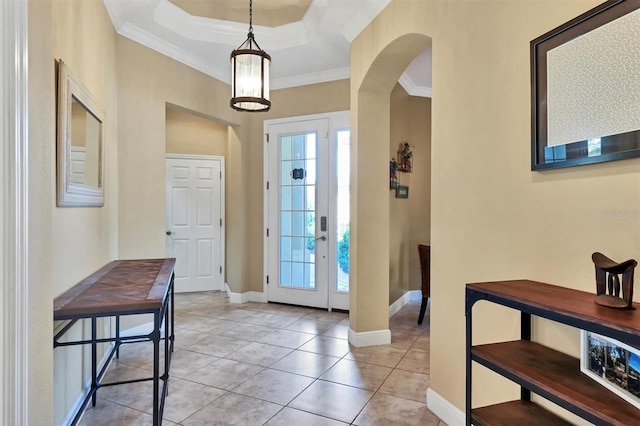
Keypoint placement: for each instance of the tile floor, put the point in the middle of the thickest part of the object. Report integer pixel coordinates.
(269, 364)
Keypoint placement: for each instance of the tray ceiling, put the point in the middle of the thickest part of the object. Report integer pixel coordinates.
(308, 40)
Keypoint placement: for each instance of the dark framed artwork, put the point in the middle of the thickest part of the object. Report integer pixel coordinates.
(585, 88)
(402, 191)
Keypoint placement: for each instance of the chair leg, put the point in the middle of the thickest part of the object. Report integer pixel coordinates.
(423, 308)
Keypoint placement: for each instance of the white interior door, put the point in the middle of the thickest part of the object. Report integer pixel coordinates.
(194, 212)
(304, 223)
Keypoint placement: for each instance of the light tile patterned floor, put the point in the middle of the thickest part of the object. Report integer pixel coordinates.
(270, 364)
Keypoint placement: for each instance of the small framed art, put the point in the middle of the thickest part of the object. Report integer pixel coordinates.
(613, 364)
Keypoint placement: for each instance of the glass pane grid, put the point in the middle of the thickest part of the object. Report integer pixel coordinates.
(297, 211)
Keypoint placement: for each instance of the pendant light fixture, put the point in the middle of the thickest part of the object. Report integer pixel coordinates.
(250, 74)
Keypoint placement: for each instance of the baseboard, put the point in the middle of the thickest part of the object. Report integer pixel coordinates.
(248, 296)
(409, 296)
(369, 338)
(78, 402)
(446, 411)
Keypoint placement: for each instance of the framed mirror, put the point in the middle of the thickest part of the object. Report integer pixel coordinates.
(585, 87)
(80, 144)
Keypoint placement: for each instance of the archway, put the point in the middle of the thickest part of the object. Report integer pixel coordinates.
(370, 220)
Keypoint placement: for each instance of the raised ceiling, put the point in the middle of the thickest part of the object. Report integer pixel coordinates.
(308, 40)
(267, 13)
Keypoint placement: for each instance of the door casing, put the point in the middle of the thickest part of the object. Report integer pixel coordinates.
(337, 121)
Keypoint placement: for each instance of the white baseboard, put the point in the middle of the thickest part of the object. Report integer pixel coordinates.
(248, 296)
(446, 411)
(369, 338)
(78, 402)
(411, 295)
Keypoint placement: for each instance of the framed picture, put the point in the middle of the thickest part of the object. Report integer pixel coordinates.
(613, 364)
(402, 191)
(585, 84)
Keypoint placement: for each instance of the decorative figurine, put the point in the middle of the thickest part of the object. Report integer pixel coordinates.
(608, 283)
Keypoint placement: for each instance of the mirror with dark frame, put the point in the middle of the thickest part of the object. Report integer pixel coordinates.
(80, 144)
(585, 86)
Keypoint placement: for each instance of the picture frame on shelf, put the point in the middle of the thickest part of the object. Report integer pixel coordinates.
(613, 364)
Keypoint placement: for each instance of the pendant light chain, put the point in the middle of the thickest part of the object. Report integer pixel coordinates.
(250, 16)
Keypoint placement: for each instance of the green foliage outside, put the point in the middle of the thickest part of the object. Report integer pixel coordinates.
(343, 251)
(311, 242)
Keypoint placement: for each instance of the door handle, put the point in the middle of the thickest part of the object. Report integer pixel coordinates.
(323, 238)
(169, 233)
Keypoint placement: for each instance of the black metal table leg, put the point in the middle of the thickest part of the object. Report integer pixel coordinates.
(468, 309)
(94, 360)
(525, 334)
(156, 361)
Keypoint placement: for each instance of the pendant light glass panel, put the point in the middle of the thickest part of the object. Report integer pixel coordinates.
(250, 80)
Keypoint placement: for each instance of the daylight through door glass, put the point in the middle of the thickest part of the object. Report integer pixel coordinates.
(342, 228)
(297, 210)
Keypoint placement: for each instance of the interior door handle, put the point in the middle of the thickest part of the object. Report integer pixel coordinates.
(169, 233)
(323, 238)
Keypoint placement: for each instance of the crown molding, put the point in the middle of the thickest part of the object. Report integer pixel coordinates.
(312, 78)
(162, 46)
(163, 14)
(363, 19)
(413, 89)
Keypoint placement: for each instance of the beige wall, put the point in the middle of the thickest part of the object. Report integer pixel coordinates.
(186, 133)
(83, 239)
(492, 218)
(41, 201)
(409, 224)
(86, 238)
(420, 192)
(147, 82)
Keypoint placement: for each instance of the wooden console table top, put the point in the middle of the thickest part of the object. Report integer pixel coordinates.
(121, 286)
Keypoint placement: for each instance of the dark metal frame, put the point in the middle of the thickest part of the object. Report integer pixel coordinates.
(162, 315)
(614, 147)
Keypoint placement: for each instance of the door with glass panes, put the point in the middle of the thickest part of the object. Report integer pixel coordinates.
(308, 212)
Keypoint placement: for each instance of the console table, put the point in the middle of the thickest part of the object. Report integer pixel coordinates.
(542, 370)
(123, 287)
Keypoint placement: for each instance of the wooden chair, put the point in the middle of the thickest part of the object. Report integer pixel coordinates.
(425, 268)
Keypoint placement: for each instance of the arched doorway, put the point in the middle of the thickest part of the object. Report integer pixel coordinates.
(370, 221)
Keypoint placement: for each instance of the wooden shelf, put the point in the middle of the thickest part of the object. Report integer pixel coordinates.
(521, 413)
(565, 305)
(557, 377)
(542, 370)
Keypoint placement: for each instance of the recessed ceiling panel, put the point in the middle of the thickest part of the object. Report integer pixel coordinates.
(267, 13)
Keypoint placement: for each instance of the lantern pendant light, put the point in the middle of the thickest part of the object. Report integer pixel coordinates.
(250, 74)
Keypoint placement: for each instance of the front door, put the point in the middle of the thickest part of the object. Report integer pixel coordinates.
(307, 212)
(194, 212)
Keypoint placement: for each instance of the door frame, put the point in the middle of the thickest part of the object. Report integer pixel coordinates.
(223, 198)
(332, 117)
(14, 213)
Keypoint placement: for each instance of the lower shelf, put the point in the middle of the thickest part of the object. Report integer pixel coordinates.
(556, 377)
(522, 413)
